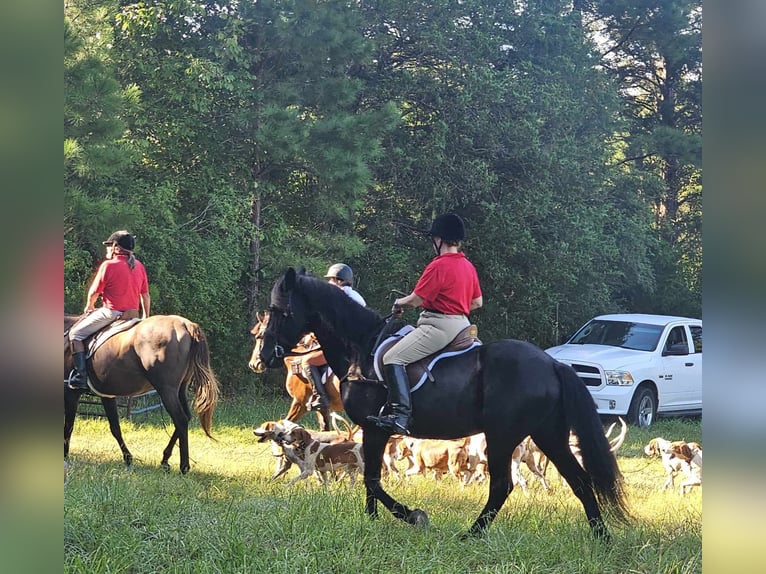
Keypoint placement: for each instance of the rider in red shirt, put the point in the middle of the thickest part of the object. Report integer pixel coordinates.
(448, 290)
(122, 284)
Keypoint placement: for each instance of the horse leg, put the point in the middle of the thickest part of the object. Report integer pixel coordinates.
(169, 451)
(373, 445)
(296, 411)
(554, 443)
(71, 400)
(300, 393)
(323, 418)
(174, 400)
(499, 449)
(113, 416)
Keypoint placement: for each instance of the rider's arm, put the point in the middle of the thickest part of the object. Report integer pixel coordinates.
(476, 303)
(92, 298)
(146, 303)
(410, 300)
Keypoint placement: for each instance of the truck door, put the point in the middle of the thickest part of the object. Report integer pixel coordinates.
(682, 373)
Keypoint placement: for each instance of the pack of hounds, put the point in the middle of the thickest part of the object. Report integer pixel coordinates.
(334, 455)
(678, 456)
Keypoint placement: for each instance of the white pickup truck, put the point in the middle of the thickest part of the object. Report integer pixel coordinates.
(639, 366)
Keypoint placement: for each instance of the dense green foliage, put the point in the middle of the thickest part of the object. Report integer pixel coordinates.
(237, 138)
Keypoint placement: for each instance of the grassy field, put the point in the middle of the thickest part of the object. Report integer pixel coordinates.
(227, 516)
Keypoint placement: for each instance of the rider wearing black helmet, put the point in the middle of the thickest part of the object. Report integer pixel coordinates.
(122, 284)
(313, 363)
(448, 290)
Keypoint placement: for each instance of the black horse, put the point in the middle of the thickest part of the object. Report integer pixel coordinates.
(507, 389)
(166, 352)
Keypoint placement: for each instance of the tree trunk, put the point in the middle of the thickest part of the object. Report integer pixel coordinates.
(255, 254)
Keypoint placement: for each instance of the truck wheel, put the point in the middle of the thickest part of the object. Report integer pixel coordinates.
(643, 408)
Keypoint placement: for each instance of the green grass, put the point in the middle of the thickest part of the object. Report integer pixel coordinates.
(227, 516)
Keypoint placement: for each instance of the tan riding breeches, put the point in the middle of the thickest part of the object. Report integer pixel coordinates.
(433, 332)
(92, 322)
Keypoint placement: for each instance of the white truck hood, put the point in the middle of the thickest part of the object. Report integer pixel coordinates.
(607, 357)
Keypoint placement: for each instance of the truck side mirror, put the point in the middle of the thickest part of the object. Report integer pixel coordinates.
(677, 350)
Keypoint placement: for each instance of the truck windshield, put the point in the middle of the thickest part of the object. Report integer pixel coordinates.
(638, 336)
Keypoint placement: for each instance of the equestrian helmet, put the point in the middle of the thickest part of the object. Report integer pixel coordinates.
(342, 272)
(123, 239)
(449, 227)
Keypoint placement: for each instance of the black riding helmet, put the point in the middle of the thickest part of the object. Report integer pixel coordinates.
(123, 239)
(449, 227)
(342, 272)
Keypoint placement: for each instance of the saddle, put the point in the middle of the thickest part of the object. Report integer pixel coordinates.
(94, 341)
(420, 371)
(128, 319)
(100, 337)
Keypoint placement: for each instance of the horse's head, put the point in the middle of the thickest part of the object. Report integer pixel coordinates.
(288, 319)
(255, 363)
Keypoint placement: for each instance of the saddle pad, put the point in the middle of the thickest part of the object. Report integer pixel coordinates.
(117, 327)
(418, 369)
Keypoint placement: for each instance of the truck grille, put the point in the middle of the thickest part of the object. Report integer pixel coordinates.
(590, 375)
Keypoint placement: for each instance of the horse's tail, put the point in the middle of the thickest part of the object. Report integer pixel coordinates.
(598, 459)
(201, 377)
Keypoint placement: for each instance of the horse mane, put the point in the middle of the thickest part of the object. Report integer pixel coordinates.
(348, 319)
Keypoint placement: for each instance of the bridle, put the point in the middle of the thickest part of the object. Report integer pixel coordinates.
(279, 350)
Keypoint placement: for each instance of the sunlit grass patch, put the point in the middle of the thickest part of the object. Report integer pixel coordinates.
(226, 515)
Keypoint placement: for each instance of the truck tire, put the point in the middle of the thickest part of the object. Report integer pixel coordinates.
(643, 408)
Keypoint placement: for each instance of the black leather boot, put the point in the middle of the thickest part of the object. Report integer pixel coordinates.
(399, 402)
(79, 380)
(321, 400)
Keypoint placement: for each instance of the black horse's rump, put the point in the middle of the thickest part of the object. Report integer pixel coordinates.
(507, 389)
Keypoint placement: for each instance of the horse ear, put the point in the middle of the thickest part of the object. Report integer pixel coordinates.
(301, 270)
(289, 281)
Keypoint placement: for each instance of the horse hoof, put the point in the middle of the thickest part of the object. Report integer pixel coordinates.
(165, 466)
(418, 518)
(473, 533)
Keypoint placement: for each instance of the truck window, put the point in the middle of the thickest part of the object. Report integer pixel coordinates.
(696, 337)
(676, 336)
(638, 336)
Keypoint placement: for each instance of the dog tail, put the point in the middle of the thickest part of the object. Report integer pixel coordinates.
(349, 431)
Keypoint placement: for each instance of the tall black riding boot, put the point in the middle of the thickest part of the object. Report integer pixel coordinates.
(322, 401)
(398, 420)
(79, 380)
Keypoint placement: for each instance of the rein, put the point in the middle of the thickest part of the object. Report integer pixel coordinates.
(380, 335)
(279, 352)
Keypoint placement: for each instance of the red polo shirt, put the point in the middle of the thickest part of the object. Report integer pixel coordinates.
(120, 286)
(448, 284)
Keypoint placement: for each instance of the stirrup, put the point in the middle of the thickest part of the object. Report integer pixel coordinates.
(73, 383)
(388, 423)
(315, 403)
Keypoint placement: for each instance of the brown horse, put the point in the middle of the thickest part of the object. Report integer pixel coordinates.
(164, 352)
(298, 387)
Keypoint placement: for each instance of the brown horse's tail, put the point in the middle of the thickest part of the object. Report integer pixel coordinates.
(598, 459)
(201, 377)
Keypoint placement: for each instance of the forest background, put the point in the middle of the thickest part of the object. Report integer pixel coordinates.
(235, 138)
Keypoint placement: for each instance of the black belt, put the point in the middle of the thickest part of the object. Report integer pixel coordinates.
(440, 313)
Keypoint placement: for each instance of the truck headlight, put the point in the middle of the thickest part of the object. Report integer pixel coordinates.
(618, 378)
